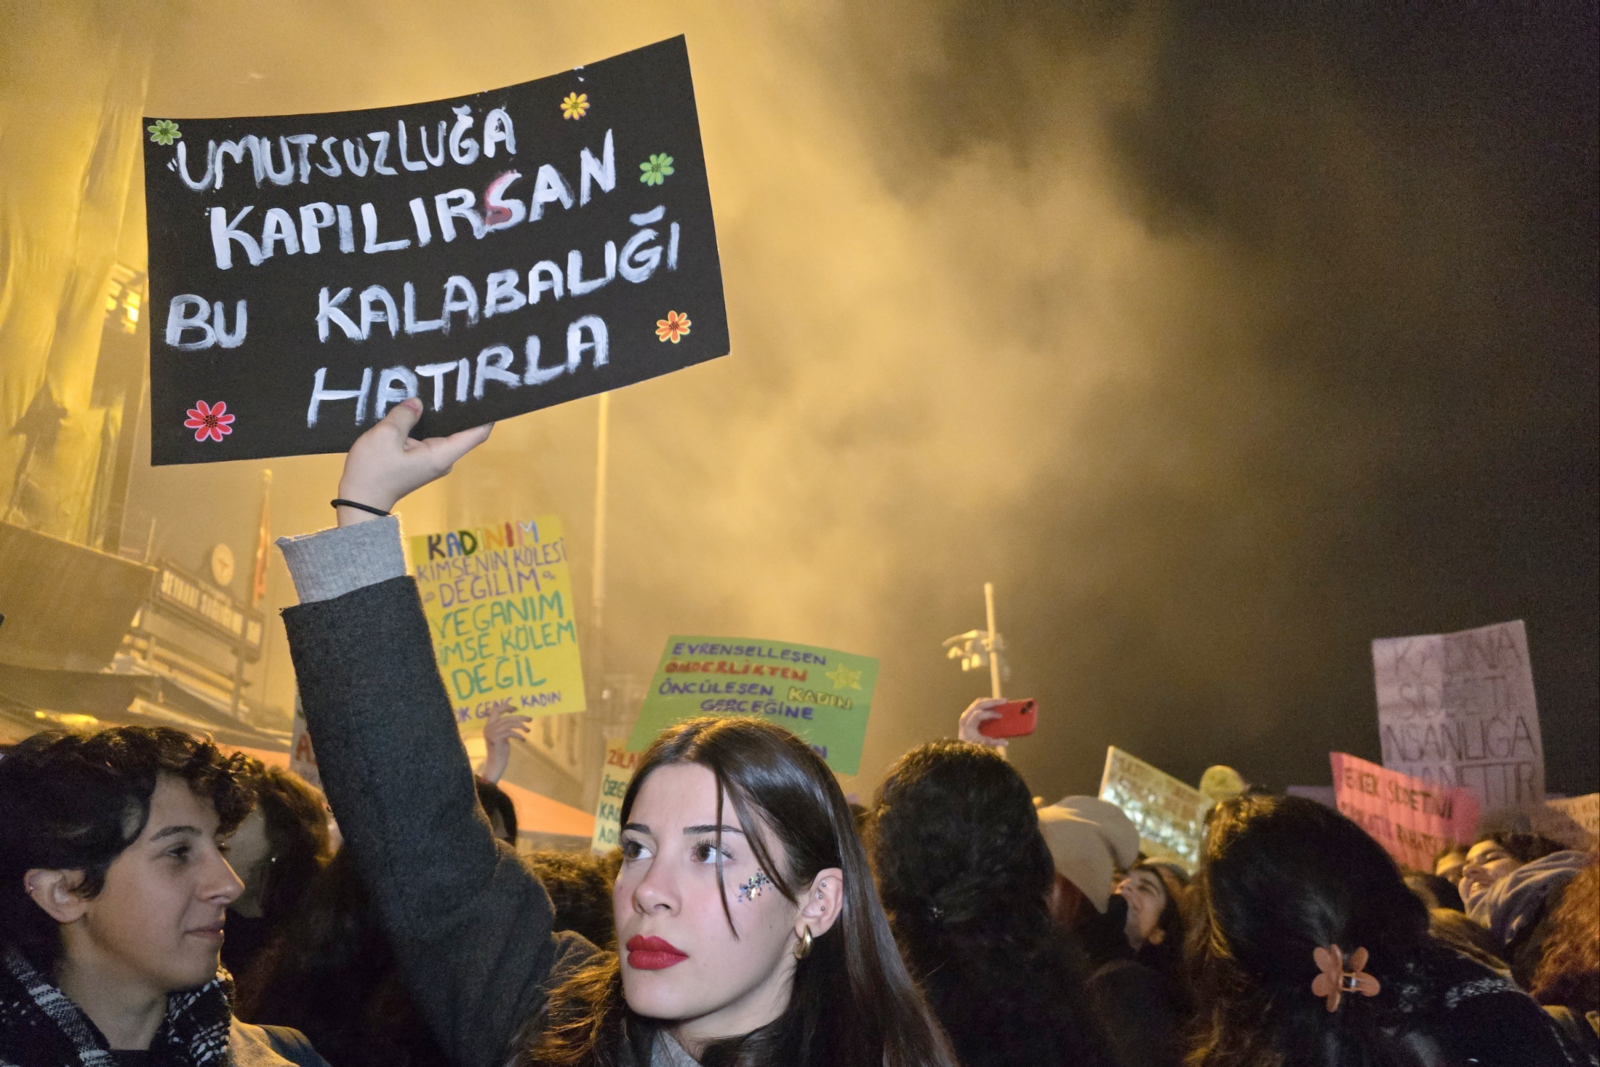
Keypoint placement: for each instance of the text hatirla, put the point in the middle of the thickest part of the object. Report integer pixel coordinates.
(495, 365)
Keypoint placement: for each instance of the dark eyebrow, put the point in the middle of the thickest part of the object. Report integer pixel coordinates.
(709, 829)
(638, 828)
(168, 831)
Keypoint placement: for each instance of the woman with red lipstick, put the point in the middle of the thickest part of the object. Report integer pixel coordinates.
(750, 929)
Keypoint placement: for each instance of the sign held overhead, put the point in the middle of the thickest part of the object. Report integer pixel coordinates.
(499, 604)
(492, 255)
(1169, 812)
(1459, 710)
(1412, 819)
(821, 694)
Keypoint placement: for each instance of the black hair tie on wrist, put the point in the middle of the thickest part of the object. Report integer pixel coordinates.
(340, 502)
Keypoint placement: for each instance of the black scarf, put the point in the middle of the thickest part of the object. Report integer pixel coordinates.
(41, 1027)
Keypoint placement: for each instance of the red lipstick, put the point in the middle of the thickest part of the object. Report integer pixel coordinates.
(653, 954)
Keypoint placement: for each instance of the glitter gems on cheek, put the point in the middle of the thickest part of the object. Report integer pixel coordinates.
(752, 888)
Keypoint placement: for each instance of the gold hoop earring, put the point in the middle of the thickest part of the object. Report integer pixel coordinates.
(802, 948)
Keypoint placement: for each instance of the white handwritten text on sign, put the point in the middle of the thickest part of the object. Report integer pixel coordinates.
(490, 255)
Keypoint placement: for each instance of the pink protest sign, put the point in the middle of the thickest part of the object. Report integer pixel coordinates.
(1412, 819)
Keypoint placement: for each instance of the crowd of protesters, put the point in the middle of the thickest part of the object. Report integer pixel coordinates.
(165, 904)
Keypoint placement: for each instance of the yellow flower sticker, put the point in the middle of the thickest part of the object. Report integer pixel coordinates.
(673, 327)
(575, 105)
(843, 677)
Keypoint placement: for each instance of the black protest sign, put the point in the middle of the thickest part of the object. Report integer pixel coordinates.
(491, 255)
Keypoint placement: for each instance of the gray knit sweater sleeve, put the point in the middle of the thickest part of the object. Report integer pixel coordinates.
(470, 924)
(331, 563)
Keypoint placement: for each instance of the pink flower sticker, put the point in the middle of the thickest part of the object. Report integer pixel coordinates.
(209, 421)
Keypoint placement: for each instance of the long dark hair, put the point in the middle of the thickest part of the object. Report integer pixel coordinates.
(331, 974)
(297, 832)
(1166, 956)
(853, 1003)
(964, 872)
(1281, 877)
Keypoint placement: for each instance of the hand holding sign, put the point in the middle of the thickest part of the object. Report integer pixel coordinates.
(497, 734)
(386, 463)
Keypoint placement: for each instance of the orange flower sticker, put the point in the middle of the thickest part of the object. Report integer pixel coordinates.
(673, 327)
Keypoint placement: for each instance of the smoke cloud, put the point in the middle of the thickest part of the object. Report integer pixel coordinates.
(1222, 340)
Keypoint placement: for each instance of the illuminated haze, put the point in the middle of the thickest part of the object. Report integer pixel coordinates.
(1221, 342)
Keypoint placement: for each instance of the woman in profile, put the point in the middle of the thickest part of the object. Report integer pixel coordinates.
(1308, 950)
(277, 851)
(1143, 1002)
(749, 928)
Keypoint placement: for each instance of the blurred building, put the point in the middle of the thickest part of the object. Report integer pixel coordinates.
(103, 622)
(100, 627)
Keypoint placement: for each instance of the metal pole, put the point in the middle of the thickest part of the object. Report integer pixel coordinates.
(598, 595)
(994, 653)
(593, 727)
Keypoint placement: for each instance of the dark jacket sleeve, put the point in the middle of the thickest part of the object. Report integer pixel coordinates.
(1136, 1009)
(470, 924)
(1510, 1030)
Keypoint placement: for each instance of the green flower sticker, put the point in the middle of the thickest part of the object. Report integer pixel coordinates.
(165, 131)
(656, 171)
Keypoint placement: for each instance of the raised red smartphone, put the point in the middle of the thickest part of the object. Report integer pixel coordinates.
(1017, 717)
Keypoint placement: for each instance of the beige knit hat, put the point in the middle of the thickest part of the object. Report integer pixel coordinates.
(1089, 840)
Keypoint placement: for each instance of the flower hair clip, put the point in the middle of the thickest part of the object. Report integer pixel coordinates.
(1334, 981)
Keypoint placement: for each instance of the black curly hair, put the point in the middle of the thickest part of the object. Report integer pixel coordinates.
(1522, 846)
(74, 801)
(579, 885)
(964, 874)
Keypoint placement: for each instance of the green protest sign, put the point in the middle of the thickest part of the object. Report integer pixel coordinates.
(821, 694)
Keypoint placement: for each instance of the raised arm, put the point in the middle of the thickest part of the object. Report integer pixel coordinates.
(469, 923)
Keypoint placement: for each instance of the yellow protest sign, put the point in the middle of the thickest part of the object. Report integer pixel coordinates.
(614, 779)
(499, 604)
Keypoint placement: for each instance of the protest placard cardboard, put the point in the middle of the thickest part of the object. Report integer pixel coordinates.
(614, 778)
(302, 758)
(499, 604)
(1573, 821)
(493, 254)
(1169, 812)
(1459, 709)
(821, 694)
(1322, 794)
(1412, 819)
